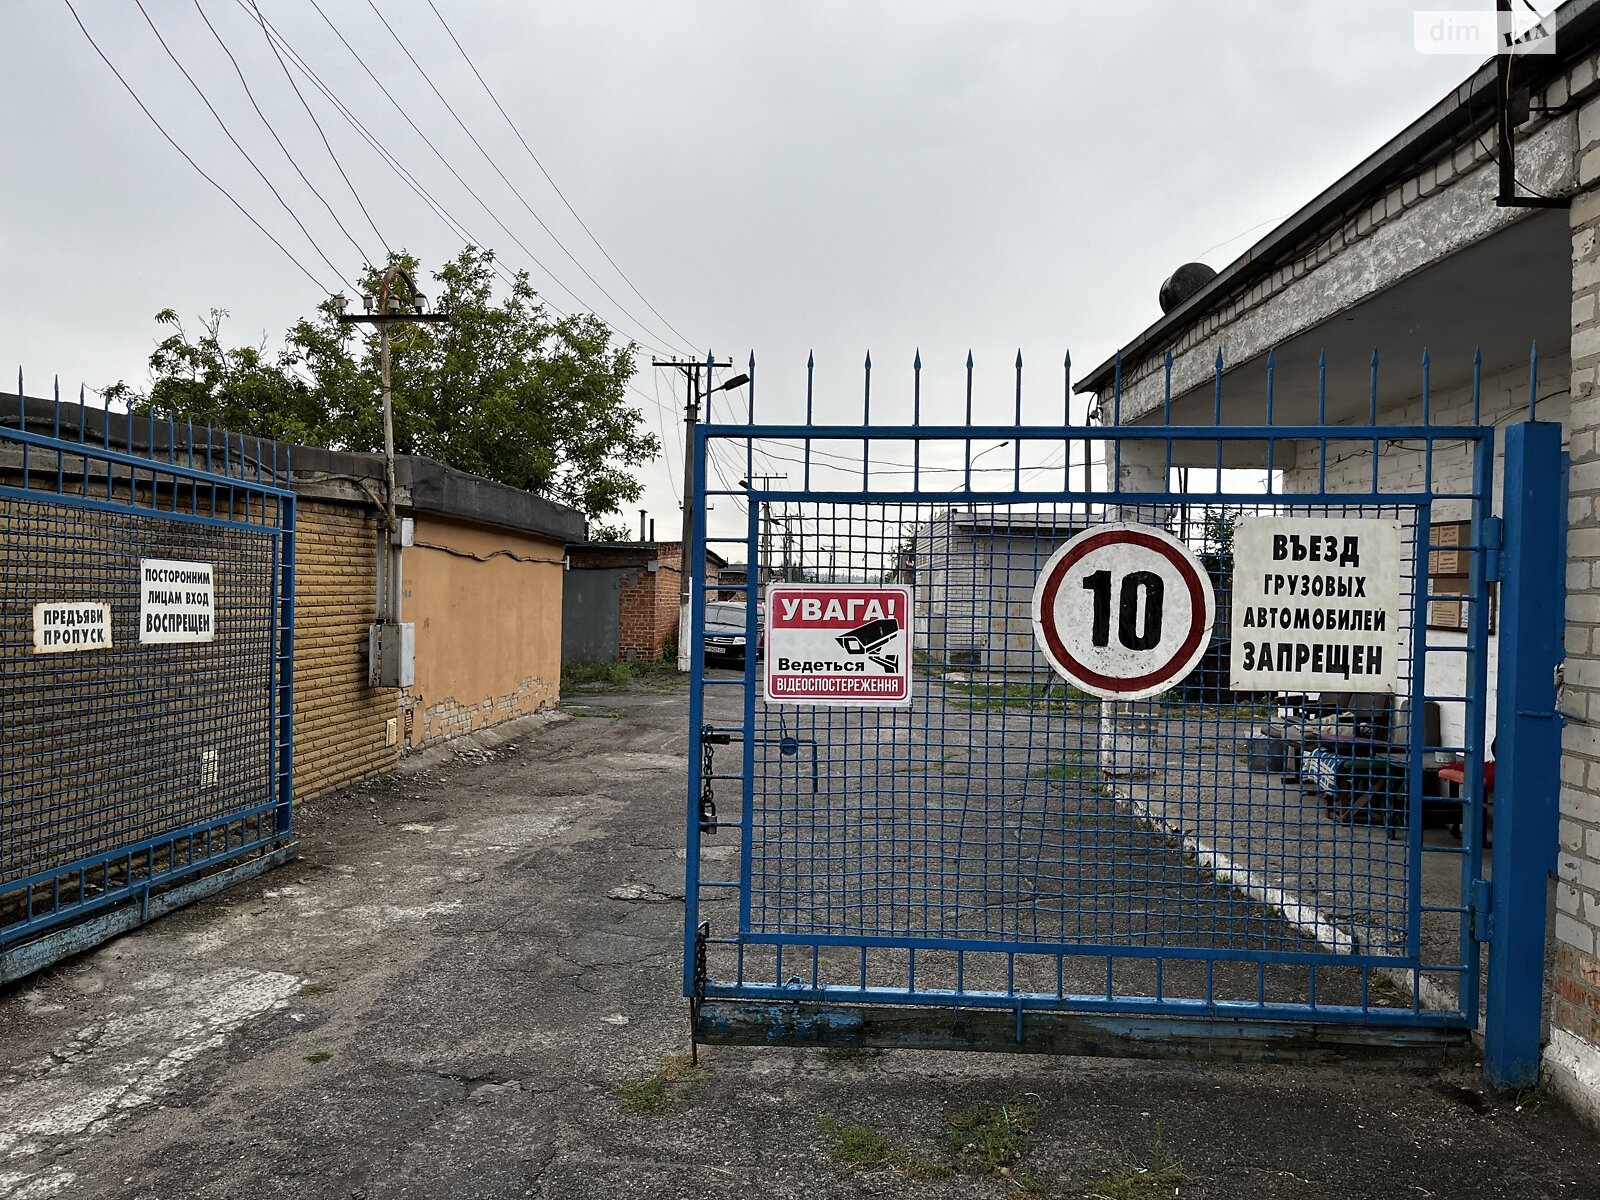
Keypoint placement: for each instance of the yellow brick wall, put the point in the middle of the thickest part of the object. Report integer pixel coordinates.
(338, 720)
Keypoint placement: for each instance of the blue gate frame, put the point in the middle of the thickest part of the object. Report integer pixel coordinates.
(137, 778)
(821, 806)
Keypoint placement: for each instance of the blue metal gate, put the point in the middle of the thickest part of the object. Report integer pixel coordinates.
(1009, 862)
(151, 761)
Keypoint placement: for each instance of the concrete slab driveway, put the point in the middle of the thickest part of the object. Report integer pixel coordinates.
(468, 987)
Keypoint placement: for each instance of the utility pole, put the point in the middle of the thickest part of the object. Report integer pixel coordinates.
(788, 539)
(691, 417)
(764, 574)
(391, 655)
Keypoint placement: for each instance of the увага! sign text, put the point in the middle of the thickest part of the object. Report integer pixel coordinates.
(838, 644)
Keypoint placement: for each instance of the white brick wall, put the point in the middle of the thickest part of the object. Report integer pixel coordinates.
(1401, 467)
(1576, 1010)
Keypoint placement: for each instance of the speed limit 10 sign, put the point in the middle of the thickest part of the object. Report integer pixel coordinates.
(1123, 611)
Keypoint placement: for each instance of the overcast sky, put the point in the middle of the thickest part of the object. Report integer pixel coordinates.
(776, 177)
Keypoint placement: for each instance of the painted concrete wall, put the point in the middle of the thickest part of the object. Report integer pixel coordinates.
(487, 608)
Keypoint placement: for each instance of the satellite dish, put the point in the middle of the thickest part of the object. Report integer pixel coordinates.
(1183, 283)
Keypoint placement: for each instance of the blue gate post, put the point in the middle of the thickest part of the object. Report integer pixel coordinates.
(1528, 760)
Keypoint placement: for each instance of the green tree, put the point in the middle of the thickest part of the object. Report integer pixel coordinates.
(504, 389)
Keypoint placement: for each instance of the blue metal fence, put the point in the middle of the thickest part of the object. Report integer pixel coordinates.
(128, 769)
(983, 848)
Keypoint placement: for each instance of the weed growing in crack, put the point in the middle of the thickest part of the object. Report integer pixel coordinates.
(862, 1148)
(658, 1091)
(1160, 1175)
(318, 1056)
(990, 1139)
(1070, 770)
(859, 1147)
(925, 1168)
(620, 676)
(1534, 1098)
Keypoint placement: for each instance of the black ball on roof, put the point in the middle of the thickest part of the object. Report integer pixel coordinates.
(1183, 283)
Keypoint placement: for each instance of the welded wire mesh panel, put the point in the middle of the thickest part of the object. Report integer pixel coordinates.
(118, 746)
(1007, 839)
(989, 811)
(128, 763)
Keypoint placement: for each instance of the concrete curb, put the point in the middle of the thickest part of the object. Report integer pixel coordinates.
(1297, 912)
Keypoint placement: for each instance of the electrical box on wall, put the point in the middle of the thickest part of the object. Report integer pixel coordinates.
(392, 655)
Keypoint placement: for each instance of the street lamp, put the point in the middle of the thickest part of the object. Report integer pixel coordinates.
(975, 458)
(990, 450)
(972, 507)
(692, 418)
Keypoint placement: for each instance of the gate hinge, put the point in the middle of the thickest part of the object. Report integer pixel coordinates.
(1494, 541)
(1482, 902)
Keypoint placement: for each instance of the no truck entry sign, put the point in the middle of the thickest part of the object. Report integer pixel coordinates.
(1317, 603)
(846, 644)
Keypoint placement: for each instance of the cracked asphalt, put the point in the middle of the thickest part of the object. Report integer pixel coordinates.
(468, 986)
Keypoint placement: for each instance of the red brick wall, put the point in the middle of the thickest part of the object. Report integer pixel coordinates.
(636, 599)
(1577, 999)
(669, 588)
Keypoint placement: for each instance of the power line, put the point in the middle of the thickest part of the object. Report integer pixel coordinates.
(488, 158)
(223, 125)
(186, 156)
(389, 159)
(717, 467)
(245, 83)
(661, 413)
(456, 227)
(581, 222)
(755, 451)
(271, 33)
(278, 41)
(429, 143)
(492, 215)
(321, 133)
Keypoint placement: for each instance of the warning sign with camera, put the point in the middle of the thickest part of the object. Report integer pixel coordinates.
(844, 644)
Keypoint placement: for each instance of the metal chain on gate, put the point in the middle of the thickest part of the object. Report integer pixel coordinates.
(698, 991)
(708, 802)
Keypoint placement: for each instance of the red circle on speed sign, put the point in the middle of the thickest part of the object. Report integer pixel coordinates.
(1123, 611)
